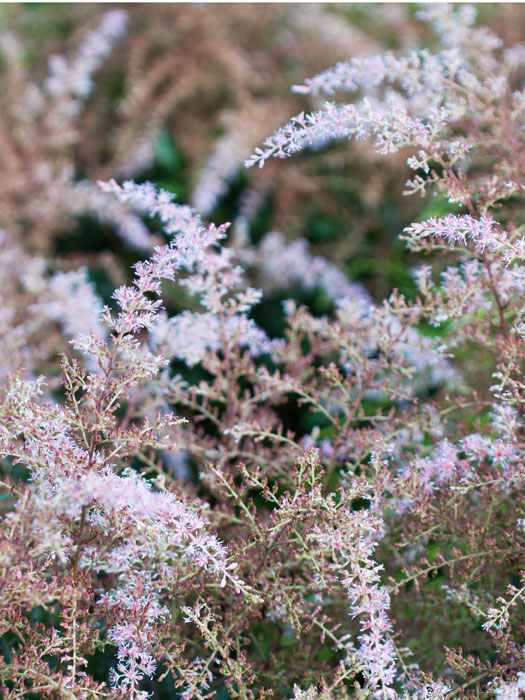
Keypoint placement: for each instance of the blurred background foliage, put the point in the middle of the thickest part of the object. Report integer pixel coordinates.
(185, 77)
(195, 73)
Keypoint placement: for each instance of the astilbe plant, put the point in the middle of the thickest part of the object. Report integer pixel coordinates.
(377, 554)
(87, 514)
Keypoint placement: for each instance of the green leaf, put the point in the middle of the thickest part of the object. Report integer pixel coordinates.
(167, 155)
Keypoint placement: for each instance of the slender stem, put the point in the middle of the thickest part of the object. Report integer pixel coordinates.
(79, 540)
(501, 309)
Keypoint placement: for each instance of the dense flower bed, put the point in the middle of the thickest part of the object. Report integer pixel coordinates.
(202, 507)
